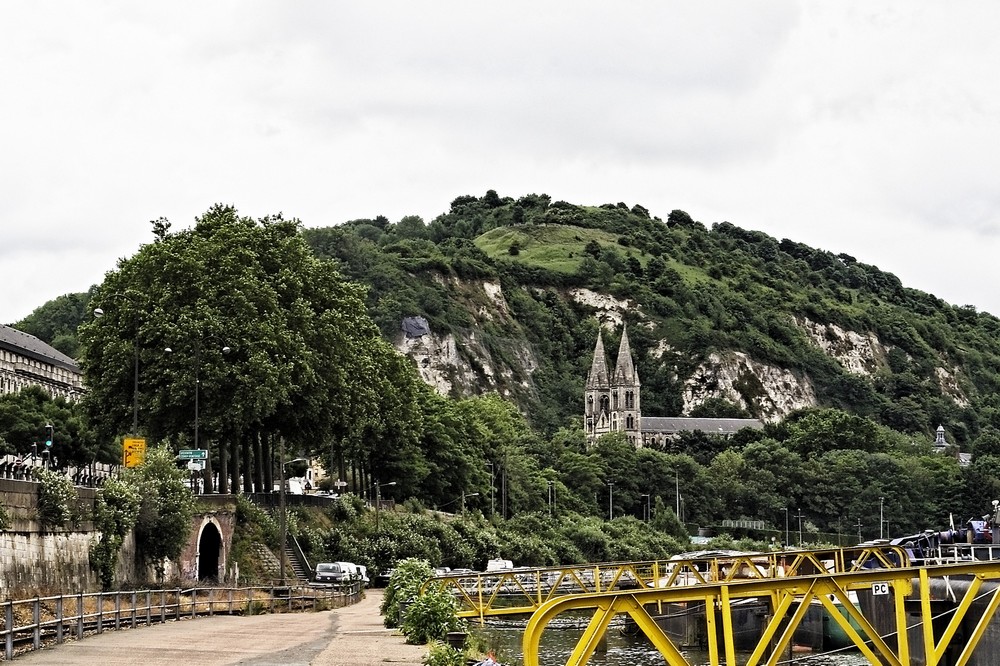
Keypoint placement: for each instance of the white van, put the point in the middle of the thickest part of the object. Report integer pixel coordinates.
(329, 573)
(499, 564)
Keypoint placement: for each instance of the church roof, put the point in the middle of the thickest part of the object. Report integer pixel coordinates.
(598, 377)
(625, 370)
(675, 424)
(30, 346)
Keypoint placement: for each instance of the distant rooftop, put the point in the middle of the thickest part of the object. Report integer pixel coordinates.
(30, 346)
(673, 424)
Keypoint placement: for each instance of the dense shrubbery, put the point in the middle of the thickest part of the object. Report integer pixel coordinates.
(56, 499)
(431, 616)
(404, 585)
(115, 514)
(471, 540)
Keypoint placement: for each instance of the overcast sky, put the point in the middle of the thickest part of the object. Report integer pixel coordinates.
(870, 128)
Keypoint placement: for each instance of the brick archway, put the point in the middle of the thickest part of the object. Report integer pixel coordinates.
(211, 551)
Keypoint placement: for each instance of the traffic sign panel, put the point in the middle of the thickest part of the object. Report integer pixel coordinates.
(134, 450)
(193, 454)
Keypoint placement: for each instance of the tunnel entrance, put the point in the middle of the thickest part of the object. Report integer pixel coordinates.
(209, 550)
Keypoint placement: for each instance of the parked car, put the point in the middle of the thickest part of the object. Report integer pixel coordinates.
(331, 573)
(382, 578)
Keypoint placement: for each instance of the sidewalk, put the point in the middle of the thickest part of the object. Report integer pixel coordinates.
(359, 639)
(350, 636)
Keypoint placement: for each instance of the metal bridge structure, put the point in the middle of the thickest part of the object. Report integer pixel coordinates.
(523, 591)
(790, 597)
(787, 582)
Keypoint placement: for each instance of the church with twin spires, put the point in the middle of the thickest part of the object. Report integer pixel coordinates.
(612, 404)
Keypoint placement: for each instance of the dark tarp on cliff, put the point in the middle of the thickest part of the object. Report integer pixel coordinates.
(414, 327)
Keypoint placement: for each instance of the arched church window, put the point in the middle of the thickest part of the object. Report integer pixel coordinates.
(614, 399)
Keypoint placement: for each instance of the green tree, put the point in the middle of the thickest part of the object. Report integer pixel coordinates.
(666, 521)
(166, 508)
(300, 343)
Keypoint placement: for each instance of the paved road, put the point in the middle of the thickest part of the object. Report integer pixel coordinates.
(351, 636)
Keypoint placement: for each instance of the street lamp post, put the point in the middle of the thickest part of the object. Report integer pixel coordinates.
(880, 505)
(646, 515)
(492, 488)
(550, 499)
(464, 495)
(611, 498)
(225, 349)
(677, 492)
(281, 495)
(785, 509)
(800, 527)
(98, 312)
(378, 499)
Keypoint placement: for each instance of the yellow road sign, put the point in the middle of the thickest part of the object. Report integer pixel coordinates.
(135, 451)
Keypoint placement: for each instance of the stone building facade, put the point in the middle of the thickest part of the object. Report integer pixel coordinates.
(612, 404)
(27, 361)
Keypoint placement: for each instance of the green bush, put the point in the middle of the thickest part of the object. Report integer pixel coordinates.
(56, 499)
(442, 654)
(431, 616)
(404, 585)
(115, 514)
(346, 508)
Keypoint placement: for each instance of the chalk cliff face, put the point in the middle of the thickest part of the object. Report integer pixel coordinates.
(859, 353)
(465, 361)
(768, 392)
(460, 363)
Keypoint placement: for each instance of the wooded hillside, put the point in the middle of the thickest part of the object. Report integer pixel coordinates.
(690, 289)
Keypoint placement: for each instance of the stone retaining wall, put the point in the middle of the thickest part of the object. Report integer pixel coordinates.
(41, 561)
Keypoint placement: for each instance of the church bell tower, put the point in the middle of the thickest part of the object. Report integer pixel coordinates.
(611, 400)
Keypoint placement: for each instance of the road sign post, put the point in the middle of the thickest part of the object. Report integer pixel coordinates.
(192, 454)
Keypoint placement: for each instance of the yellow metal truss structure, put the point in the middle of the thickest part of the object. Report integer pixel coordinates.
(789, 598)
(523, 591)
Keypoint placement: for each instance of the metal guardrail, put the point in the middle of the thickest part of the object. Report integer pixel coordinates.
(522, 591)
(26, 623)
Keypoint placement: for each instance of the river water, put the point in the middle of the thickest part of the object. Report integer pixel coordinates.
(558, 642)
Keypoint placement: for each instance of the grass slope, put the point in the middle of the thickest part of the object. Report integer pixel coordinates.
(553, 247)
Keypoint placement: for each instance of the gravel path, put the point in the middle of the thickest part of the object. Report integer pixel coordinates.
(350, 636)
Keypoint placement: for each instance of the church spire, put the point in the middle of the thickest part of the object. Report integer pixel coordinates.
(598, 377)
(625, 370)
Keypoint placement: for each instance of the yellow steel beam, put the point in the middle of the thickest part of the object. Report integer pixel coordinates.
(980, 629)
(524, 590)
(785, 593)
